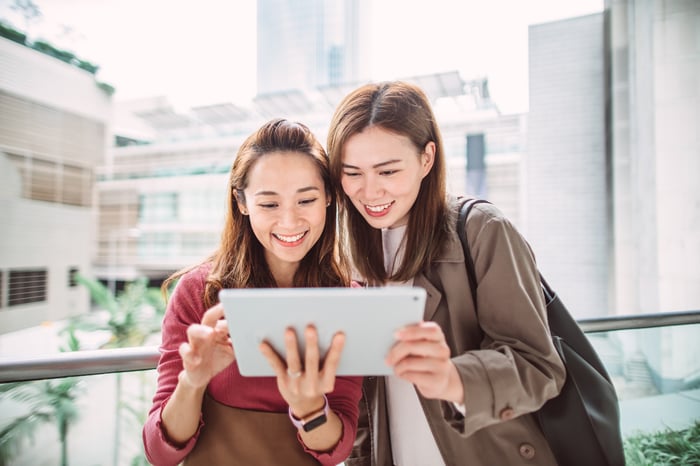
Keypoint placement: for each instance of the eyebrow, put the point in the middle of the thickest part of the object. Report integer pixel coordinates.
(379, 165)
(299, 191)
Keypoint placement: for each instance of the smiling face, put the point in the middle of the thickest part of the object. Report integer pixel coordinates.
(286, 202)
(382, 174)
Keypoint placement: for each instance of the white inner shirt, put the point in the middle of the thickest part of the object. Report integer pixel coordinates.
(412, 443)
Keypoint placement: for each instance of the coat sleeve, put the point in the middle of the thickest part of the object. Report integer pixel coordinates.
(516, 368)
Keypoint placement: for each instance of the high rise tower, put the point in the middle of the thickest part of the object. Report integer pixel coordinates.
(305, 44)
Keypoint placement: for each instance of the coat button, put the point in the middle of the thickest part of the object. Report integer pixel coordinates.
(506, 414)
(527, 451)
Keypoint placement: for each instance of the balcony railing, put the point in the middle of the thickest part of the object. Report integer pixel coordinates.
(653, 359)
(106, 361)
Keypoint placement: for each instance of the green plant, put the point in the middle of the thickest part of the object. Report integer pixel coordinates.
(45, 401)
(131, 317)
(665, 448)
(106, 88)
(86, 65)
(8, 32)
(48, 49)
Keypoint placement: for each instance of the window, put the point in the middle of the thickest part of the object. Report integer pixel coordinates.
(158, 207)
(72, 272)
(26, 286)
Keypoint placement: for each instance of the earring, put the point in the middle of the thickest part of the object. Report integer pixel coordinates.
(244, 212)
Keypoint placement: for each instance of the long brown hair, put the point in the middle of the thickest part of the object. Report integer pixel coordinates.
(239, 261)
(403, 109)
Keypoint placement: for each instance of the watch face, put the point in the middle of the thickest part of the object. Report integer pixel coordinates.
(315, 422)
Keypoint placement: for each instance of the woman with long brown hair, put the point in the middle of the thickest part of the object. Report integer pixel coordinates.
(279, 231)
(464, 386)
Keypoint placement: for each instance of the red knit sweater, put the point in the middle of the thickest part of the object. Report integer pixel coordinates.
(256, 393)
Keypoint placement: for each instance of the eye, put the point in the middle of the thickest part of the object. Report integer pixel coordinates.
(308, 201)
(267, 205)
(387, 172)
(351, 174)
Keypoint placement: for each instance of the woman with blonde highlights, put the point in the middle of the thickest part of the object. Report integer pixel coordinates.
(464, 386)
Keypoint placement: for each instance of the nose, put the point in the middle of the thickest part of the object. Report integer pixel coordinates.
(289, 217)
(371, 188)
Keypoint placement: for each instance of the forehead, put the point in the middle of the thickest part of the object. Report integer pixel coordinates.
(284, 172)
(375, 145)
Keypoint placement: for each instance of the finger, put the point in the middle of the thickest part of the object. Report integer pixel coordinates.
(221, 327)
(212, 315)
(184, 350)
(274, 359)
(417, 364)
(311, 355)
(420, 348)
(198, 334)
(332, 361)
(188, 355)
(421, 331)
(292, 351)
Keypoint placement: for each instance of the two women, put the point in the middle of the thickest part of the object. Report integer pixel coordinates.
(465, 382)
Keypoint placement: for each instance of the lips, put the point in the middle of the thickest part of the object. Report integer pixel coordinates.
(290, 240)
(378, 210)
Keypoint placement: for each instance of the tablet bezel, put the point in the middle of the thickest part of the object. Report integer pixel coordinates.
(368, 316)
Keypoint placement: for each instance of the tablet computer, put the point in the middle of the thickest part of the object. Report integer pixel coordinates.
(368, 316)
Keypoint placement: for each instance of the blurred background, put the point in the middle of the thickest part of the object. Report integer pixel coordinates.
(119, 121)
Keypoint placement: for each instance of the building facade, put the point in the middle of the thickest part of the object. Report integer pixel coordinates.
(162, 197)
(54, 129)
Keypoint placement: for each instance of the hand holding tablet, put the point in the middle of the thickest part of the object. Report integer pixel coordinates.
(367, 316)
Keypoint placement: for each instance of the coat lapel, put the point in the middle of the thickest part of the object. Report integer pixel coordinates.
(452, 252)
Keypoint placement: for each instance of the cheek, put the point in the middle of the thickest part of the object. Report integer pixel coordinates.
(259, 229)
(349, 185)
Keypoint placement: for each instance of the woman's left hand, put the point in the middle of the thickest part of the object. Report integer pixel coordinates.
(303, 385)
(421, 356)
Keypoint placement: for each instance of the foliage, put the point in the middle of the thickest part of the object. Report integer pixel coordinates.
(46, 401)
(48, 49)
(131, 316)
(87, 66)
(106, 88)
(8, 32)
(665, 448)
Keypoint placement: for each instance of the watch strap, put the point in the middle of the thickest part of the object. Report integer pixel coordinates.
(313, 420)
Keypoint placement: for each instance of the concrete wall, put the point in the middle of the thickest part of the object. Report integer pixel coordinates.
(566, 194)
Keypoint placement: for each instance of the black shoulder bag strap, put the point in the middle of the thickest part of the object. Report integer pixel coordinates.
(462, 233)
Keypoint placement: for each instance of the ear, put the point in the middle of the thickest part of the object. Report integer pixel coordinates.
(240, 201)
(427, 158)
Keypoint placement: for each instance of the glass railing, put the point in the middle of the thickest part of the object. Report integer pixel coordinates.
(652, 359)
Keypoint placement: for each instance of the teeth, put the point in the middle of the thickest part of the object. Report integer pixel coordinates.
(289, 239)
(378, 208)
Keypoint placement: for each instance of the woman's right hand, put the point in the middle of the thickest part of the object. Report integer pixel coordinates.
(208, 349)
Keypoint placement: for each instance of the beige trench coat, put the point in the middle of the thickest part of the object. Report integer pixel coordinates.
(505, 358)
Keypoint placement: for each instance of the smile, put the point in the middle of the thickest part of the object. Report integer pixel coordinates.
(378, 208)
(290, 239)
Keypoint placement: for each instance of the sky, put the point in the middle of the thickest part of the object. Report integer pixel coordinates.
(203, 52)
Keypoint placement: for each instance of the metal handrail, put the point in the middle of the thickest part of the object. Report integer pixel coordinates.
(107, 361)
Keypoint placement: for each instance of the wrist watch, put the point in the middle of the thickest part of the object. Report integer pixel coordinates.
(313, 420)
